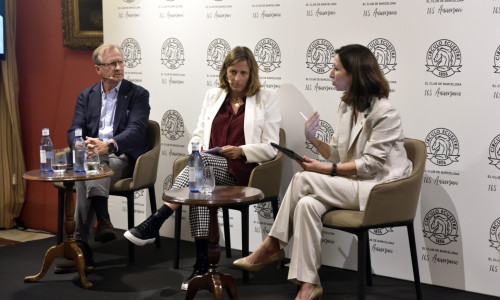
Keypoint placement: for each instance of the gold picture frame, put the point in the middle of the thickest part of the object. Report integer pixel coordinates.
(82, 23)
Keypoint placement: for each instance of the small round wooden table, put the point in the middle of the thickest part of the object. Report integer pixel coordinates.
(69, 249)
(214, 280)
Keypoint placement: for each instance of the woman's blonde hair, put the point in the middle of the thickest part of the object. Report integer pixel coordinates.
(237, 54)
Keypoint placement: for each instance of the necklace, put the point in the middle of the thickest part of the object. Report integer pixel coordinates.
(236, 102)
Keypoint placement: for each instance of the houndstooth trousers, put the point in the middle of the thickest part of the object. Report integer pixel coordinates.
(199, 217)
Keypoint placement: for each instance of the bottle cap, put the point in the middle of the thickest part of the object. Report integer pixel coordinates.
(78, 132)
(45, 131)
(195, 146)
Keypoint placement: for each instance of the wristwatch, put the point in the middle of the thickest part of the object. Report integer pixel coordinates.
(334, 170)
(111, 147)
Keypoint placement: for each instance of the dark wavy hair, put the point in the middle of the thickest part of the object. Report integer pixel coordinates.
(367, 78)
(237, 54)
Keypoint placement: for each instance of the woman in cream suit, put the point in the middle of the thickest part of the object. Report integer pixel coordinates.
(241, 119)
(366, 149)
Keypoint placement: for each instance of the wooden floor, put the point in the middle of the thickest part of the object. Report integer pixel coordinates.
(12, 236)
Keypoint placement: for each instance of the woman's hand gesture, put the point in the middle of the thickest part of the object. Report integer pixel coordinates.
(311, 127)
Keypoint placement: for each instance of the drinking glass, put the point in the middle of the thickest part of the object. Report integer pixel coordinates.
(60, 162)
(91, 164)
(208, 180)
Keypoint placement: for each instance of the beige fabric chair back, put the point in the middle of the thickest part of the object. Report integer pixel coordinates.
(267, 176)
(179, 164)
(397, 201)
(146, 166)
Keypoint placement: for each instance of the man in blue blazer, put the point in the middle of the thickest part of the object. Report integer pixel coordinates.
(113, 115)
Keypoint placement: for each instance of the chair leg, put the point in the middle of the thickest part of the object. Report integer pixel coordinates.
(60, 215)
(130, 218)
(362, 241)
(368, 261)
(245, 228)
(227, 234)
(274, 204)
(152, 202)
(177, 236)
(414, 259)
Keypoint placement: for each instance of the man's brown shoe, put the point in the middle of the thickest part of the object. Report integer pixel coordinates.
(104, 232)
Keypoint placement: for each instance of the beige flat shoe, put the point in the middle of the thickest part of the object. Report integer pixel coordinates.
(245, 265)
(317, 293)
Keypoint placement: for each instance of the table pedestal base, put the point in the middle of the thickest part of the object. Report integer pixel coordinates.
(214, 282)
(69, 250)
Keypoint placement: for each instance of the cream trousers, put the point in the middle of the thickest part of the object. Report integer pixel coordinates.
(308, 197)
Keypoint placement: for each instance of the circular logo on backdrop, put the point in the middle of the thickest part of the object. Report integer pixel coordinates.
(131, 52)
(264, 210)
(440, 226)
(324, 134)
(494, 152)
(442, 147)
(268, 55)
(320, 56)
(172, 53)
(385, 53)
(443, 58)
(495, 234)
(168, 182)
(172, 125)
(217, 52)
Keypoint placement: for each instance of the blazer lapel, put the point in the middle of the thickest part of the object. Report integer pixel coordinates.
(359, 124)
(121, 104)
(344, 132)
(213, 109)
(95, 110)
(356, 129)
(249, 118)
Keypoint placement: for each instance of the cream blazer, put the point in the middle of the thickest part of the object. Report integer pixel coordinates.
(261, 125)
(375, 144)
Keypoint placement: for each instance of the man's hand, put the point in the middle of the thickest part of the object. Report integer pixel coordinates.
(92, 143)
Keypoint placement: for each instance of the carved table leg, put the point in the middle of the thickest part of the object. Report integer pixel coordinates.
(53, 252)
(213, 281)
(69, 249)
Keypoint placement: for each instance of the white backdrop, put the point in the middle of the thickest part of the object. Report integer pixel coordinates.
(443, 66)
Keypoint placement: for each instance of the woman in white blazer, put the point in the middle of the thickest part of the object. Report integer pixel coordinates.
(242, 119)
(366, 149)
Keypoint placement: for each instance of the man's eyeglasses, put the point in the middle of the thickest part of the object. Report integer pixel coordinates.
(113, 64)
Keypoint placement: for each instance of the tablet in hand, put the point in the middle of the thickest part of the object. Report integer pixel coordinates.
(288, 152)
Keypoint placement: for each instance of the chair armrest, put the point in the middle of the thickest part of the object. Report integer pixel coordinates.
(267, 176)
(179, 164)
(146, 169)
(393, 202)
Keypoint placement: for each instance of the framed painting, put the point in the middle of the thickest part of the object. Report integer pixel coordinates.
(82, 23)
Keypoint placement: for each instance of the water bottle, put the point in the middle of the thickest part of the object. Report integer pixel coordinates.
(46, 151)
(195, 167)
(78, 148)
